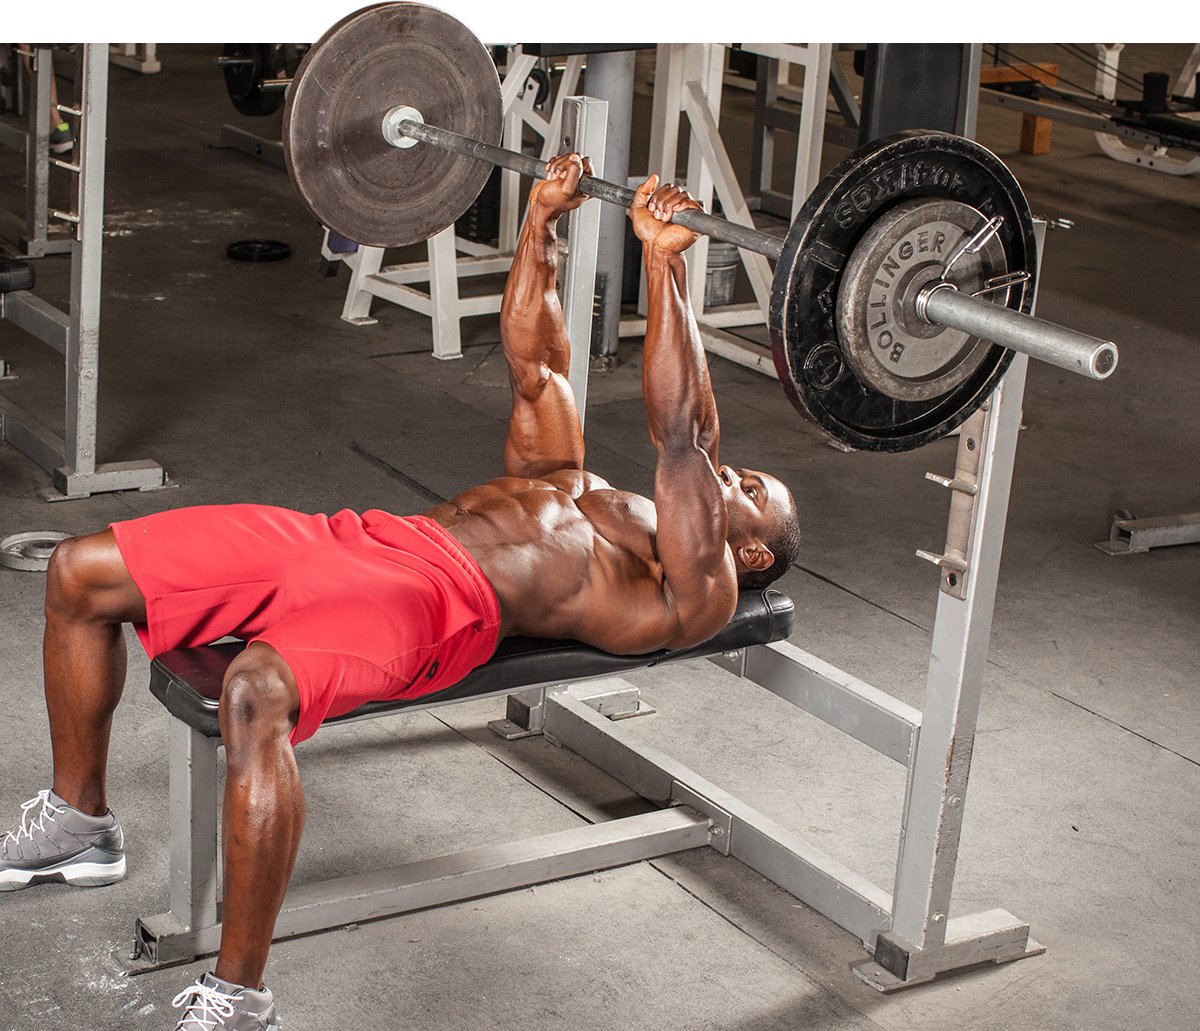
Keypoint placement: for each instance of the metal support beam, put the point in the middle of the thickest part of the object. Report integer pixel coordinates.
(162, 940)
(874, 717)
(777, 853)
(193, 825)
(584, 128)
(270, 150)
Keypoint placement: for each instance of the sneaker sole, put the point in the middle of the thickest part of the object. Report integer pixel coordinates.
(82, 875)
(62, 148)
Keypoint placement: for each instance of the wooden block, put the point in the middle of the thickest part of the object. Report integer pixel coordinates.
(1035, 131)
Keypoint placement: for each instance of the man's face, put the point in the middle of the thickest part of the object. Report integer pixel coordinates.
(756, 502)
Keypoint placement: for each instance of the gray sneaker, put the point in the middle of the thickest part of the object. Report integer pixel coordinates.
(61, 140)
(57, 842)
(212, 1003)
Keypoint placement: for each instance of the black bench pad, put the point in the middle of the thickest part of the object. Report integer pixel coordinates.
(188, 680)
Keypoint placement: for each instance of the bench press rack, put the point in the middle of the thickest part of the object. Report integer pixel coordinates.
(75, 334)
(570, 693)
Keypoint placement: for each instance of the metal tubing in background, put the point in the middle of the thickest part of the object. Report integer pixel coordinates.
(1067, 348)
(584, 124)
(71, 459)
(83, 339)
(37, 152)
(610, 78)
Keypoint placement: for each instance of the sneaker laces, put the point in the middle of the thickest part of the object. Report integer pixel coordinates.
(29, 821)
(209, 1006)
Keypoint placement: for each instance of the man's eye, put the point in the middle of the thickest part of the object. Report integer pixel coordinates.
(751, 493)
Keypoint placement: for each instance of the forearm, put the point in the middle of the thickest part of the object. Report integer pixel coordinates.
(531, 324)
(675, 378)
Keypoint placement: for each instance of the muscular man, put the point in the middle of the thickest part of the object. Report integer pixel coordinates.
(344, 609)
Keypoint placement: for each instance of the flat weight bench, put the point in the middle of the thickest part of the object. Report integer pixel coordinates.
(535, 674)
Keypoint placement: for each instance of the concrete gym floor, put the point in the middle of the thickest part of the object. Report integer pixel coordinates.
(244, 384)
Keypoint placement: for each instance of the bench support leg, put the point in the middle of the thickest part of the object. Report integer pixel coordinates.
(193, 876)
(525, 715)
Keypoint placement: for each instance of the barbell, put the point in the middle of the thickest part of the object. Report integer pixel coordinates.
(900, 292)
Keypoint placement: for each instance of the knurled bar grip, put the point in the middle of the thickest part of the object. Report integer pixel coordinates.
(698, 221)
(1076, 352)
(1067, 348)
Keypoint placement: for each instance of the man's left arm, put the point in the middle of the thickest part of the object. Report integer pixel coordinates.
(699, 575)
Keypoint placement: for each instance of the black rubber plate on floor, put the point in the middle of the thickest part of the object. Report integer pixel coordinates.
(258, 250)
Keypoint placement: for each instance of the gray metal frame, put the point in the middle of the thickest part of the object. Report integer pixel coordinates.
(71, 459)
(1129, 536)
(33, 141)
(267, 148)
(907, 929)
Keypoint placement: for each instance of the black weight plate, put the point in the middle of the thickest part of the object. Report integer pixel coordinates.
(243, 82)
(804, 341)
(350, 178)
(258, 250)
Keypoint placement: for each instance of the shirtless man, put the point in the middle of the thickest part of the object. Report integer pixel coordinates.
(340, 610)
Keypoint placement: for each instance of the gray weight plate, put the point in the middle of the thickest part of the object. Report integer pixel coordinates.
(351, 179)
(885, 342)
(30, 552)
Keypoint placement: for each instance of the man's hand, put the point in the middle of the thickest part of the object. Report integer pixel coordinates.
(559, 191)
(652, 210)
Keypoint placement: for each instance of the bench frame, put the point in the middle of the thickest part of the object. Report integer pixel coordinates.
(908, 929)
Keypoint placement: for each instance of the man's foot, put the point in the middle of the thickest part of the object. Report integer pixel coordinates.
(56, 842)
(61, 140)
(212, 1003)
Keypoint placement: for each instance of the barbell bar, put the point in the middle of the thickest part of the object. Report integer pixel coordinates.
(941, 305)
(403, 126)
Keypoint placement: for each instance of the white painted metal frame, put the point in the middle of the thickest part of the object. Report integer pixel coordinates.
(71, 458)
(1149, 156)
(442, 303)
(139, 57)
(688, 80)
(816, 59)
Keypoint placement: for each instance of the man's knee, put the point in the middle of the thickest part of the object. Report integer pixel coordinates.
(76, 577)
(259, 698)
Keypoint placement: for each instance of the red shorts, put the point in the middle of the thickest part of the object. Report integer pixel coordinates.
(362, 608)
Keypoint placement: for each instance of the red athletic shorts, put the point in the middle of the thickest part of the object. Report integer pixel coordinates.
(368, 607)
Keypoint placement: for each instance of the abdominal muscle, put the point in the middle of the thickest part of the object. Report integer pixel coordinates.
(568, 556)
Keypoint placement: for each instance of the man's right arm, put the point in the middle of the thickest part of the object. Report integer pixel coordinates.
(543, 429)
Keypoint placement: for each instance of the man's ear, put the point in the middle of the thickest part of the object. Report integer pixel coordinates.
(755, 555)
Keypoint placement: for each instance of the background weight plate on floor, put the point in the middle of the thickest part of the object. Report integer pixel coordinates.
(258, 250)
(350, 178)
(809, 354)
(30, 552)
